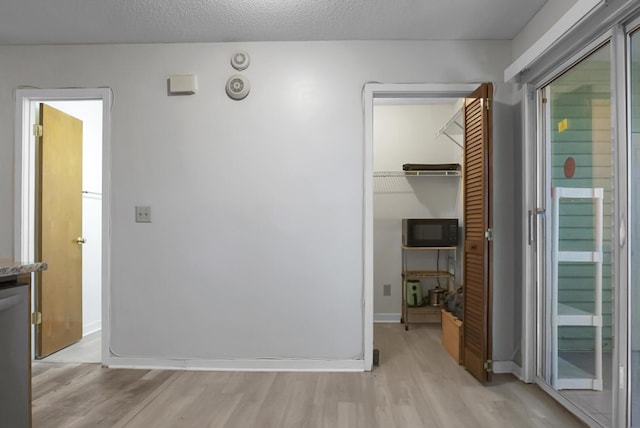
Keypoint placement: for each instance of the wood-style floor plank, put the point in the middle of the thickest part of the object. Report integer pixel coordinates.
(416, 385)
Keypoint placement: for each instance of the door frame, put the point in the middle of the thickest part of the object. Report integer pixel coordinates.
(24, 181)
(370, 92)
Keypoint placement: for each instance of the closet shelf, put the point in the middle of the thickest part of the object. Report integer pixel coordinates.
(437, 173)
(423, 274)
(453, 127)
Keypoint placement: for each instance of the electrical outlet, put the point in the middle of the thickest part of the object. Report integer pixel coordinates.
(386, 290)
(143, 214)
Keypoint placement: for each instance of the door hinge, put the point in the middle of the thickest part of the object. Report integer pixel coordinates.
(488, 234)
(488, 103)
(37, 130)
(488, 366)
(36, 318)
(544, 101)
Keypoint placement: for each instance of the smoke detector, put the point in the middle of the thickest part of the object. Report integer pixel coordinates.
(240, 60)
(237, 87)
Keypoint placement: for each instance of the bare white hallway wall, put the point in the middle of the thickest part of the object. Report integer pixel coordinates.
(254, 252)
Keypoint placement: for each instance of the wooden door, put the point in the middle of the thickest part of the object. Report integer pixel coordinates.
(477, 232)
(59, 231)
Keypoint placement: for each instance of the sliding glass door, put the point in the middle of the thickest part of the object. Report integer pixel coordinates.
(575, 306)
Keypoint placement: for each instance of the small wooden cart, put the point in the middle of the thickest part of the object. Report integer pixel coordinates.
(426, 313)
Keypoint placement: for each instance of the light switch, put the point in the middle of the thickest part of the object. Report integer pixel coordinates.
(143, 214)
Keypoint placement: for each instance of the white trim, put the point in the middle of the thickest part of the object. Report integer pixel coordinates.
(245, 365)
(370, 91)
(367, 232)
(22, 184)
(579, 11)
(23, 181)
(620, 117)
(387, 318)
(106, 223)
(507, 367)
(528, 159)
(621, 136)
(419, 90)
(91, 328)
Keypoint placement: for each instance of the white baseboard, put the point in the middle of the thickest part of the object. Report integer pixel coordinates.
(507, 367)
(387, 317)
(245, 365)
(91, 327)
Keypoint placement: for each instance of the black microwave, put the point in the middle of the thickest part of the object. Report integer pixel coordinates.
(430, 232)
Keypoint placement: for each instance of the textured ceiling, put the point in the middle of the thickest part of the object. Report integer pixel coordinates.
(140, 21)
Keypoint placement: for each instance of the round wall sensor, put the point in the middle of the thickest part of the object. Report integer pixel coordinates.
(240, 60)
(237, 87)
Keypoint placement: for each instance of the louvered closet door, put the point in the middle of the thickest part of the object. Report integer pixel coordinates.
(477, 220)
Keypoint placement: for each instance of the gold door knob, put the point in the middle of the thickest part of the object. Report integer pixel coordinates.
(80, 241)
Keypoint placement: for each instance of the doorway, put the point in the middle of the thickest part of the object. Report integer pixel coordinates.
(91, 106)
(414, 131)
(385, 94)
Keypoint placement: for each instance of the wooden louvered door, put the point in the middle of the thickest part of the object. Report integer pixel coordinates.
(477, 232)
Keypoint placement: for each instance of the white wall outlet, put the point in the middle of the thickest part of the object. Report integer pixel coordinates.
(143, 214)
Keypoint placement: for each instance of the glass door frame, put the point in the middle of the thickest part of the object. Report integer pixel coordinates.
(539, 219)
(621, 70)
(625, 162)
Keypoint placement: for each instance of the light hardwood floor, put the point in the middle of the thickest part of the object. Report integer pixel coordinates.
(416, 385)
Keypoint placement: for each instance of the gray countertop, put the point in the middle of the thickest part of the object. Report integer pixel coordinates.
(10, 267)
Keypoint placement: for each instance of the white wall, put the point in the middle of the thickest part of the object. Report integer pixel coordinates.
(90, 113)
(505, 207)
(255, 249)
(407, 134)
(539, 24)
